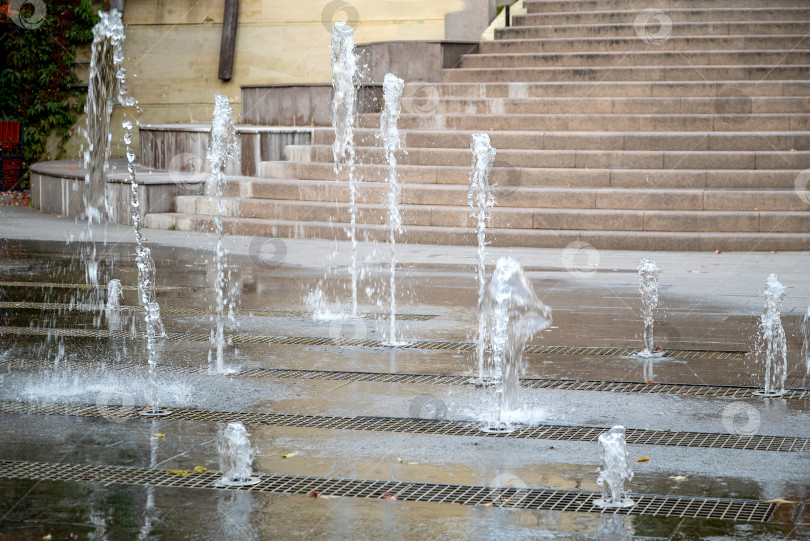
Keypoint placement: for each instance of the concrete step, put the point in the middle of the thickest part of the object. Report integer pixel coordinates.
(427, 94)
(588, 159)
(523, 197)
(508, 217)
(627, 73)
(552, 6)
(664, 105)
(676, 15)
(628, 29)
(735, 121)
(538, 177)
(603, 240)
(673, 43)
(573, 140)
(637, 58)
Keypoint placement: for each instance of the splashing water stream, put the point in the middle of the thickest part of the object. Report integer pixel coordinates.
(392, 92)
(648, 287)
(236, 456)
(146, 268)
(771, 344)
(512, 314)
(480, 201)
(344, 75)
(103, 89)
(617, 467)
(113, 306)
(806, 342)
(221, 145)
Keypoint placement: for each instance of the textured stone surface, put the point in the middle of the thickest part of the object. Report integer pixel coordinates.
(687, 136)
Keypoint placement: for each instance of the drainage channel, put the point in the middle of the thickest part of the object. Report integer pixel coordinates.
(198, 311)
(368, 343)
(425, 426)
(508, 497)
(629, 387)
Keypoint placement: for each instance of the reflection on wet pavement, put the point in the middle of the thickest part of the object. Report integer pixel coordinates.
(109, 372)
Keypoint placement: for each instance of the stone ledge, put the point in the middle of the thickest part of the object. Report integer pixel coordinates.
(58, 187)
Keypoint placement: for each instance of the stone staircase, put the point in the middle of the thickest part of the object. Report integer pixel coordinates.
(686, 133)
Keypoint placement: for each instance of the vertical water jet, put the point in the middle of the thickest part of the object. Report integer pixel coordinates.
(103, 90)
(771, 345)
(480, 201)
(392, 92)
(512, 314)
(648, 274)
(344, 78)
(236, 456)
(222, 144)
(146, 266)
(617, 468)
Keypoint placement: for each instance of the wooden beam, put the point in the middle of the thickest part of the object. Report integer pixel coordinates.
(228, 45)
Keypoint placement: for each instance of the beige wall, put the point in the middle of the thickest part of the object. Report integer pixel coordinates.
(172, 48)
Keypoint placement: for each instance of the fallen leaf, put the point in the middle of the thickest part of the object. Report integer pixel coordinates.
(313, 494)
(49, 536)
(779, 500)
(289, 455)
(181, 473)
(388, 496)
(200, 469)
(645, 459)
(488, 504)
(399, 459)
(678, 477)
(161, 436)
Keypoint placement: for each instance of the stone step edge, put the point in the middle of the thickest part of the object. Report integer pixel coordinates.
(549, 169)
(550, 238)
(542, 151)
(622, 52)
(674, 25)
(675, 10)
(463, 209)
(670, 38)
(415, 186)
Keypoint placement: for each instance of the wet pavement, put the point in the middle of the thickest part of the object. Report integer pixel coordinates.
(710, 303)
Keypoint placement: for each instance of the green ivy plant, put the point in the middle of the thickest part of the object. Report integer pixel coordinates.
(37, 82)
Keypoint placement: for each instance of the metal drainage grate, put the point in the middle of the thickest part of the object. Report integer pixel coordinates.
(196, 311)
(508, 497)
(428, 426)
(367, 343)
(631, 387)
